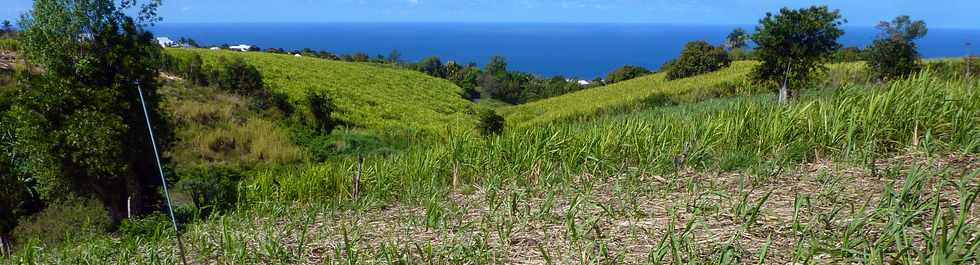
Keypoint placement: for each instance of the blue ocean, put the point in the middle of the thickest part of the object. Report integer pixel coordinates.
(584, 51)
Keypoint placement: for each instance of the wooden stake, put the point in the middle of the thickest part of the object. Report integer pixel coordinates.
(357, 177)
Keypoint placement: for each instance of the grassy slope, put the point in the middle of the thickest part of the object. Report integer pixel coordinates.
(368, 96)
(621, 95)
(606, 190)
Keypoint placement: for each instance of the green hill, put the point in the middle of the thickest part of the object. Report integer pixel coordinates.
(368, 96)
(627, 94)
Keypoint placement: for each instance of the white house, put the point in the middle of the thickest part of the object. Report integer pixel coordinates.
(215, 48)
(241, 47)
(165, 42)
(584, 82)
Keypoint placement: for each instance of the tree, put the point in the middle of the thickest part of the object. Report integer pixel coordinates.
(431, 66)
(394, 56)
(7, 28)
(626, 72)
(322, 107)
(794, 45)
(78, 127)
(737, 39)
(236, 76)
(496, 67)
(894, 53)
(698, 57)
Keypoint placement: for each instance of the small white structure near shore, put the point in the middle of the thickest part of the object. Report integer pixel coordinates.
(215, 48)
(241, 47)
(165, 42)
(584, 82)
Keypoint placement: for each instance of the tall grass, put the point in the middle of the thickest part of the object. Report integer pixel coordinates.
(853, 123)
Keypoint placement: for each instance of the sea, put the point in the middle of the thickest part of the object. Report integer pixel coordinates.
(583, 51)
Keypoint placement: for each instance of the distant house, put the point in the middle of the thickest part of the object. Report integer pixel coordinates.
(166, 42)
(298, 55)
(214, 48)
(584, 82)
(241, 47)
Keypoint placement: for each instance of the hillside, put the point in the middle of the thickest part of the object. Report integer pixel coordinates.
(367, 96)
(628, 94)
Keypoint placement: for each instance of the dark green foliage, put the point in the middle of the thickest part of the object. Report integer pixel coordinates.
(849, 54)
(236, 76)
(737, 39)
(67, 219)
(6, 29)
(889, 59)
(322, 108)
(741, 54)
(795, 44)
(894, 54)
(432, 66)
(626, 72)
(211, 189)
(78, 127)
(698, 57)
(667, 65)
(191, 68)
(491, 123)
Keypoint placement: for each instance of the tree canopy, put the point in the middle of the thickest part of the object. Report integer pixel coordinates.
(737, 39)
(894, 53)
(794, 44)
(696, 58)
(77, 127)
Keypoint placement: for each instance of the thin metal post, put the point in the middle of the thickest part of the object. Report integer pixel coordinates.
(166, 193)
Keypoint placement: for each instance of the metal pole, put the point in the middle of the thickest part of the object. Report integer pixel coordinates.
(166, 193)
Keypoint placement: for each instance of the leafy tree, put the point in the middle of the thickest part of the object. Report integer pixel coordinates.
(496, 67)
(7, 28)
(78, 127)
(431, 66)
(626, 72)
(394, 56)
(322, 108)
(894, 53)
(360, 57)
(236, 76)
(737, 39)
(794, 45)
(698, 57)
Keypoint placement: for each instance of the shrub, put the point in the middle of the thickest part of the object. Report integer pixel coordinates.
(322, 108)
(698, 57)
(153, 225)
(626, 72)
(491, 123)
(211, 189)
(236, 76)
(64, 220)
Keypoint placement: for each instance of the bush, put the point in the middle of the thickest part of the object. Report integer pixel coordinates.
(322, 108)
(211, 189)
(491, 123)
(65, 220)
(890, 58)
(151, 226)
(238, 77)
(626, 72)
(698, 57)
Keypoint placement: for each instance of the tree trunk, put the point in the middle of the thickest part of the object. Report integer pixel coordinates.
(784, 89)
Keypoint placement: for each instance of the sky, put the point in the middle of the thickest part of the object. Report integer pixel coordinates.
(937, 13)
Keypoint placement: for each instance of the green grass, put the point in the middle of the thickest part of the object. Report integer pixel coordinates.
(625, 95)
(856, 173)
(217, 128)
(367, 95)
